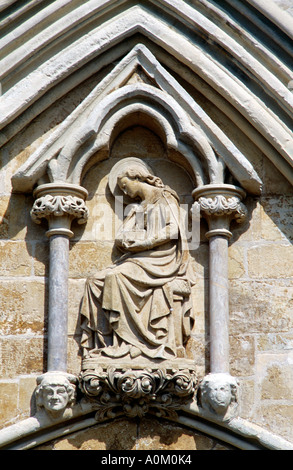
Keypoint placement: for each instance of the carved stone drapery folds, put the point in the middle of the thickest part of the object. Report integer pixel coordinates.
(136, 315)
(129, 309)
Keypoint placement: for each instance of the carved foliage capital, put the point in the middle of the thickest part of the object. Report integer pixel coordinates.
(219, 205)
(222, 205)
(59, 205)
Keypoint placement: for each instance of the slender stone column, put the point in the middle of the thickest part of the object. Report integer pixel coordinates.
(219, 304)
(219, 204)
(59, 204)
(58, 303)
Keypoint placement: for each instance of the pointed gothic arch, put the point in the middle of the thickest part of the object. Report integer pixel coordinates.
(238, 82)
(185, 125)
(192, 43)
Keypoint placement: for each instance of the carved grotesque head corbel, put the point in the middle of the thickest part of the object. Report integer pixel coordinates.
(55, 392)
(218, 395)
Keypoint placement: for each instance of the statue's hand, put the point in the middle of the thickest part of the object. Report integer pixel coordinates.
(132, 245)
(138, 245)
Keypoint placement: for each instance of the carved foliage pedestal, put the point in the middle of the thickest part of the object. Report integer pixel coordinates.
(115, 391)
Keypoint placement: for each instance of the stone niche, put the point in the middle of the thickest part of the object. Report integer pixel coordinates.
(133, 373)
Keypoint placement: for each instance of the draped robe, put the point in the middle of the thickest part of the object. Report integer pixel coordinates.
(127, 308)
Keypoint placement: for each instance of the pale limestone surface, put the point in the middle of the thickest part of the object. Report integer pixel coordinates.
(127, 435)
(285, 5)
(260, 311)
(260, 252)
(250, 300)
(146, 283)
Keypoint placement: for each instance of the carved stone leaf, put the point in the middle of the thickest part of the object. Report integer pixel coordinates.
(137, 392)
(49, 205)
(221, 205)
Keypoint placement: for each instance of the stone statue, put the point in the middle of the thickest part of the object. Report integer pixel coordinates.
(128, 308)
(55, 392)
(218, 395)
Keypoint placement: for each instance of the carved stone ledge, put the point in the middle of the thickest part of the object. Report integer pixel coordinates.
(220, 204)
(132, 392)
(59, 204)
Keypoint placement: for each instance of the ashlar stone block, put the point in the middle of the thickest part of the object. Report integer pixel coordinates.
(270, 261)
(242, 355)
(15, 259)
(276, 376)
(261, 307)
(20, 355)
(8, 401)
(22, 307)
(86, 258)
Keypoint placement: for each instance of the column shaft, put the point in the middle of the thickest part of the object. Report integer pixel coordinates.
(219, 204)
(58, 303)
(219, 304)
(59, 203)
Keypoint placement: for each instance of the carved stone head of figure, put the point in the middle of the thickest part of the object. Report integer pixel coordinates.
(218, 395)
(133, 179)
(55, 392)
(127, 178)
(129, 186)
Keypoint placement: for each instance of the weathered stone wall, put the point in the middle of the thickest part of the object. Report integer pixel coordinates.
(260, 275)
(261, 296)
(260, 263)
(147, 435)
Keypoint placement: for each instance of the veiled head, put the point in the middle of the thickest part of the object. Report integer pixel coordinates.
(133, 169)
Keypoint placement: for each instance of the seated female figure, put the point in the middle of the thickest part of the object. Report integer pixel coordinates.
(127, 309)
